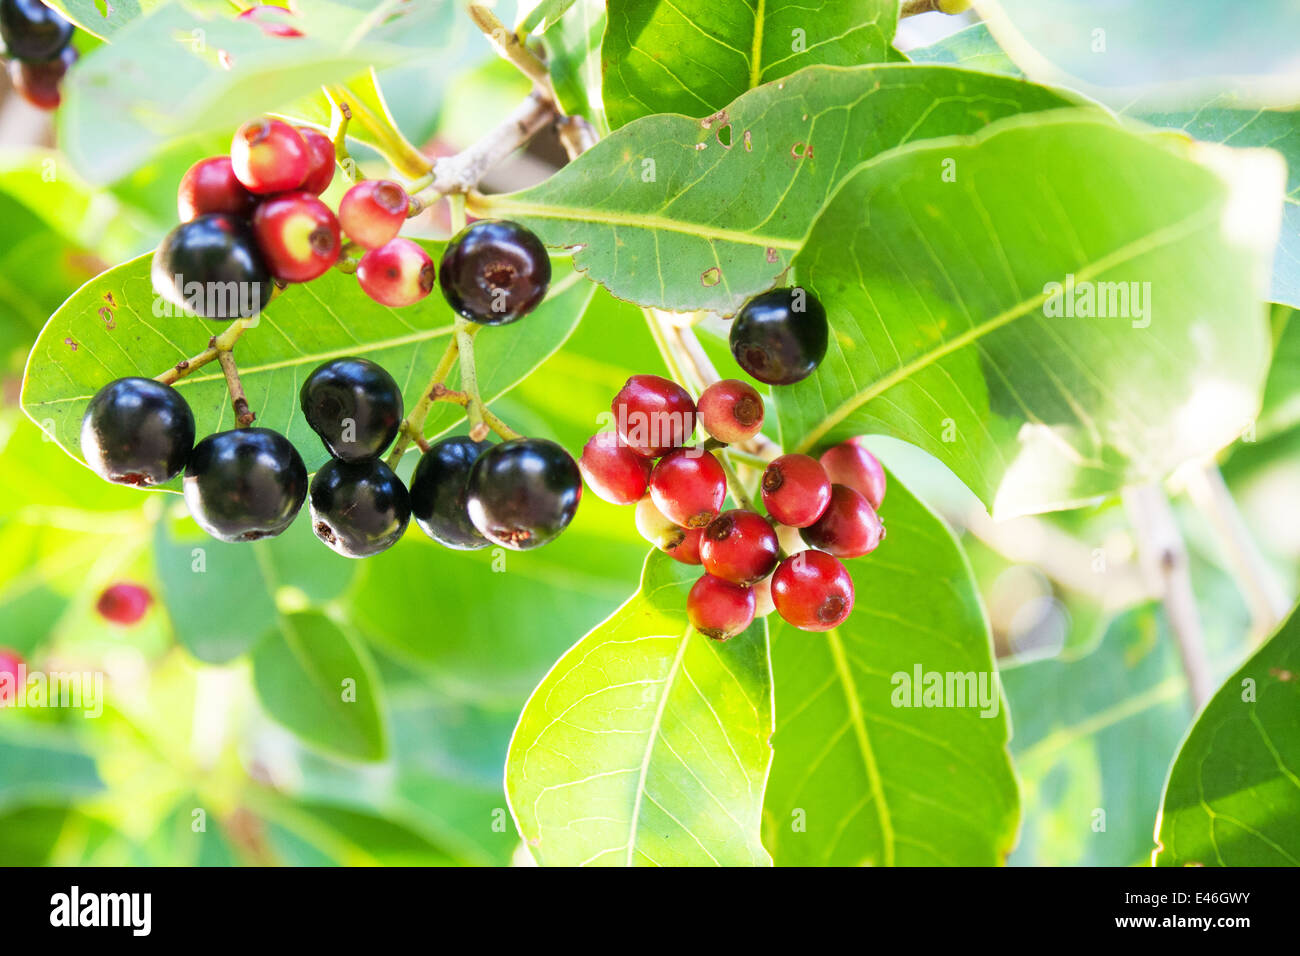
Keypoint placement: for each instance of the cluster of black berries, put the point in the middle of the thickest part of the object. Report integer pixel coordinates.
(255, 217)
(38, 41)
(753, 564)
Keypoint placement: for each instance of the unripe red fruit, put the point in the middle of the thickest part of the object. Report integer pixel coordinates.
(298, 236)
(613, 471)
(653, 414)
(372, 212)
(269, 156)
(398, 273)
(849, 528)
(795, 490)
(320, 160)
(210, 185)
(850, 463)
(688, 486)
(653, 525)
(38, 82)
(685, 547)
(813, 591)
(731, 410)
(718, 608)
(739, 546)
(123, 603)
(10, 663)
(269, 25)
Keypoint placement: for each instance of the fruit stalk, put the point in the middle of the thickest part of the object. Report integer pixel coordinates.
(510, 48)
(413, 425)
(238, 401)
(460, 173)
(225, 341)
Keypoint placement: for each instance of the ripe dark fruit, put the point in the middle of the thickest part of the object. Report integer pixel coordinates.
(38, 83)
(354, 405)
(373, 211)
(440, 488)
(653, 414)
(850, 463)
(320, 159)
(719, 609)
(494, 272)
(739, 546)
(269, 156)
(32, 31)
(523, 492)
(210, 186)
(123, 603)
(358, 508)
(813, 591)
(298, 236)
(271, 20)
(731, 411)
(796, 490)
(849, 528)
(688, 486)
(212, 267)
(245, 484)
(685, 546)
(137, 432)
(398, 273)
(613, 471)
(780, 337)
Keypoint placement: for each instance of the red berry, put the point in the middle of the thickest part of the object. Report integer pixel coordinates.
(210, 186)
(796, 490)
(320, 160)
(686, 546)
(739, 546)
(11, 666)
(373, 211)
(273, 25)
(850, 463)
(688, 486)
(269, 156)
(38, 81)
(123, 603)
(398, 273)
(298, 236)
(731, 410)
(849, 528)
(813, 591)
(653, 414)
(613, 471)
(718, 608)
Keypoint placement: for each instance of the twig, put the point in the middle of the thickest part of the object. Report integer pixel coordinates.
(413, 424)
(462, 172)
(340, 117)
(239, 402)
(734, 484)
(226, 340)
(509, 46)
(1164, 559)
(1254, 578)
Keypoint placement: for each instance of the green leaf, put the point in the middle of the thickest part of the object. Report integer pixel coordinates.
(543, 15)
(972, 48)
(1233, 794)
(1282, 390)
(317, 680)
(573, 58)
(647, 744)
(860, 777)
(78, 351)
(943, 302)
(687, 214)
(1115, 52)
(104, 18)
(695, 56)
(43, 766)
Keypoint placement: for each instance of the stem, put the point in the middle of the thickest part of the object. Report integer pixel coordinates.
(734, 484)
(911, 8)
(747, 458)
(511, 48)
(408, 160)
(1254, 578)
(238, 401)
(478, 426)
(413, 424)
(661, 342)
(456, 202)
(461, 173)
(1164, 559)
(225, 341)
(340, 116)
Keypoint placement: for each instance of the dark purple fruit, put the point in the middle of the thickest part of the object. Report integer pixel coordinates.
(780, 337)
(354, 405)
(523, 492)
(137, 432)
(494, 272)
(212, 266)
(358, 508)
(32, 31)
(245, 484)
(439, 489)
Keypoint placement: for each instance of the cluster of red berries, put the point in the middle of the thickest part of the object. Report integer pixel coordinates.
(818, 512)
(38, 41)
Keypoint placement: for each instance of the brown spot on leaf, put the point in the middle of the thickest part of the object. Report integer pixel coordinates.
(719, 118)
(772, 256)
(801, 150)
(108, 297)
(749, 142)
(70, 343)
(711, 276)
(106, 314)
(1282, 674)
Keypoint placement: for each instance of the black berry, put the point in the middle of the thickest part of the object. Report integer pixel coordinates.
(780, 337)
(358, 508)
(137, 432)
(494, 272)
(354, 406)
(245, 484)
(32, 31)
(523, 492)
(212, 266)
(439, 491)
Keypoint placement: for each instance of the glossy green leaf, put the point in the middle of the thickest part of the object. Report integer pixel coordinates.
(688, 214)
(543, 14)
(647, 744)
(947, 299)
(109, 328)
(573, 58)
(863, 775)
(1233, 794)
(972, 48)
(1282, 390)
(104, 18)
(316, 679)
(695, 56)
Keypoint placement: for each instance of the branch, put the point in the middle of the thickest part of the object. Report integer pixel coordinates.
(911, 8)
(511, 48)
(239, 402)
(225, 341)
(1164, 559)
